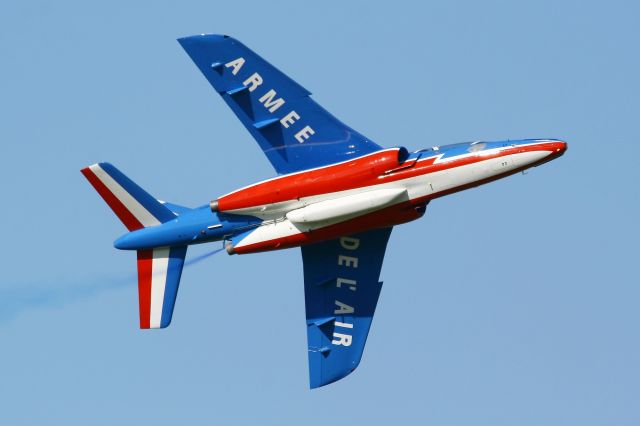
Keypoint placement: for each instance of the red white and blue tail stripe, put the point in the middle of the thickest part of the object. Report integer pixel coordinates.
(159, 273)
(133, 205)
(159, 269)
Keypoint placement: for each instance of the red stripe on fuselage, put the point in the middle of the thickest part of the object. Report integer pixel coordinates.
(390, 216)
(358, 173)
(116, 205)
(351, 174)
(145, 268)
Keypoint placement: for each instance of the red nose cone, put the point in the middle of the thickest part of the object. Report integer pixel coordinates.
(557, 148)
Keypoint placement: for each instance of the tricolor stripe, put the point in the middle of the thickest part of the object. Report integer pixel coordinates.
(159, 272)
(359, 174)
(279, 234)
(158, 284)
(145, 267)
(133, 206)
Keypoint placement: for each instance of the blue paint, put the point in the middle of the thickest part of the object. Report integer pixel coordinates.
(453, 150)
(329, 362)
(191, 227)
(174, 271)
(159, 211)
(332, 141)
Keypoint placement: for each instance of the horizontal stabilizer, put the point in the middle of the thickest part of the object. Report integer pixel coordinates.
(133, 205)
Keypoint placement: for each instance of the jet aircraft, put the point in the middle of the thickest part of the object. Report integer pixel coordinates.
(337, 195)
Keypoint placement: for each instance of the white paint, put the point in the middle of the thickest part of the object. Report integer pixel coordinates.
(131, 204)
(351, 283)
(347, 207)
(341, 339)
(253, 81)
(348, 261)
(289, 119)
(269, 232)
(350, 243)
(415, 187)
(343, 309)
(236, 64)
(268, 101)
(304, 134)
(159, 269)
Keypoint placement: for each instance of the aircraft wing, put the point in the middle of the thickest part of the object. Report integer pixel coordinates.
(293, 131)
(341, 288)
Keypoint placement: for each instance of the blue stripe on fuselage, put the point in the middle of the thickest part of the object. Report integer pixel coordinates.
(453, 150)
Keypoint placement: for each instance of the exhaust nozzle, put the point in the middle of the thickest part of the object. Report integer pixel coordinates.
(229, 247)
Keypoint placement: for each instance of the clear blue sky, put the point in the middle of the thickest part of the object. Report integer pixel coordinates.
(516, 303)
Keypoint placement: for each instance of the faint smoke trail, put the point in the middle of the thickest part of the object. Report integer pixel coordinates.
(21, 299)
(201, 257)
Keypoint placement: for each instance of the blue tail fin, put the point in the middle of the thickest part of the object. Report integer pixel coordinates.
(159, 273)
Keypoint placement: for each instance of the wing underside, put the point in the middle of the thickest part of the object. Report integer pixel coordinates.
(341, 286)
(293, 131)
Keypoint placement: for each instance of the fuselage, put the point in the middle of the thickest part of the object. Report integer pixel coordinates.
(380, 189)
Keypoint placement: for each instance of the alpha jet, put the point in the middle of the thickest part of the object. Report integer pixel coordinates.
(337, 195)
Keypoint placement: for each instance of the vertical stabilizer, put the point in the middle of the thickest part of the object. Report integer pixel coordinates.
(159, 272)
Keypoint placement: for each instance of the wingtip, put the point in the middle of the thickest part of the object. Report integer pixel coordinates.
(88, 168)
(318, 382)
(186, 40)
(147, 326)
(88, 171)
(318, 378)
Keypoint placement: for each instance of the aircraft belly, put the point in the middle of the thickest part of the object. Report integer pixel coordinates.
(317, 222)
(346, 207)
(529, 157)
(280, 209)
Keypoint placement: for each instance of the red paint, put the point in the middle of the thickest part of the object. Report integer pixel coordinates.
(403, 212)
(351, 174)
(116, 205)
(360, 172)
(390, 216)
(145, 268)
